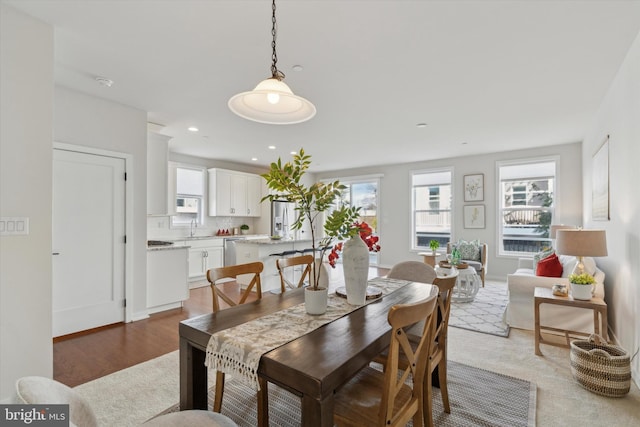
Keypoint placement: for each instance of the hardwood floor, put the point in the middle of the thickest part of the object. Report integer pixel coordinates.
(88, 355)
(85, 356)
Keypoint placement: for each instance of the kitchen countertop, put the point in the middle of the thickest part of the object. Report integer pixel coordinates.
(166, 248)
(272, 241)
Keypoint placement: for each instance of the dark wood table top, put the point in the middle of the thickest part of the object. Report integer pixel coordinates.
(318, 363)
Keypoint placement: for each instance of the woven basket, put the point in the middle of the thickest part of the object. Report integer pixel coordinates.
(603, 369)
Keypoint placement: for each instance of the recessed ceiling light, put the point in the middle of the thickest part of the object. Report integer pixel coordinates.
(254, 159)
(104, 81)
(297, 68)
(421, 125)
(193, 129)
(293, 152)
(272, 147)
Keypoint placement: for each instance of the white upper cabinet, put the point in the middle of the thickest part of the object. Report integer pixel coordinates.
(157, 180)
(233, 193)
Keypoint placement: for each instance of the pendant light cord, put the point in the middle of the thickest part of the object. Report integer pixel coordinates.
(275, 73)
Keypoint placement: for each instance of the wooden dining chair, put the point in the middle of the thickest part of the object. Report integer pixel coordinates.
(388, 398)
(232, 272)
(438, 349)
(287, 265)
(414, 271)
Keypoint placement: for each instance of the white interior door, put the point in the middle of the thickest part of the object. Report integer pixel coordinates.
(88, 241)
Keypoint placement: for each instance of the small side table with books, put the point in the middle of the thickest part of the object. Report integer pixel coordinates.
(545, 296)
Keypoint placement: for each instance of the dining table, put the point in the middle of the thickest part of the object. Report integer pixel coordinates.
(313, 366)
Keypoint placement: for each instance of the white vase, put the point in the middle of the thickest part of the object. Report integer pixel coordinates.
(315, 301)
(581, 292)
(355, 263)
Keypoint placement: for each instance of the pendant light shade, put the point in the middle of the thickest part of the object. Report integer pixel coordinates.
(272, 101)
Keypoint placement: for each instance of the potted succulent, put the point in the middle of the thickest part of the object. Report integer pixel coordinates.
(434, 245)
(285, 182)
(244, 229)
(581, 286)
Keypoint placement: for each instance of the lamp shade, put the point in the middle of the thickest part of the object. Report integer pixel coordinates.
(581, 242)
(272, 102)
(555, 227)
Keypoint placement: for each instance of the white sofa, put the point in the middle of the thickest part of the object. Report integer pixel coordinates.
(521, 284)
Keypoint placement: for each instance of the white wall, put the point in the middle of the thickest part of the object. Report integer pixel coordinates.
(88, 121)
(395, 200)
(619, 117)
(26, 117)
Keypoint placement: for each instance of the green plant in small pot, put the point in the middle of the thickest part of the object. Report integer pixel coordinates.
(286, 183)
(581, 286)
(434, 245)
(244, 229)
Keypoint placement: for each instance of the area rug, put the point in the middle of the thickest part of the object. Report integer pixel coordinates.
(485, 313)
(477, 398)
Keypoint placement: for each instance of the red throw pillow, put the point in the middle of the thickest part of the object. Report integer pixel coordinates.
(549, 267)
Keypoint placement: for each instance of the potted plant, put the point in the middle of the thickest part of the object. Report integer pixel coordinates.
(285, 182)
(434, 245)
(244, 229)
(581, 286)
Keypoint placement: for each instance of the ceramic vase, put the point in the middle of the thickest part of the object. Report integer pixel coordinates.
(355, 263)
(581, 292)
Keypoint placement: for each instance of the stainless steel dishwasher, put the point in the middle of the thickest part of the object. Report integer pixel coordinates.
(230, 249)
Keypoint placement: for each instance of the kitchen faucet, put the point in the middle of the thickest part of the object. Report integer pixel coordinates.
(193, 227)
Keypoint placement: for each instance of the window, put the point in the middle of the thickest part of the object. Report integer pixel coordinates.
(526, 206)
(431, 194)
(363, 193)
(189, 197)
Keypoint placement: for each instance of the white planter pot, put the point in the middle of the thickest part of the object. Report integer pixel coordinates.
(581, 292)
(315, 301)
(355, 263)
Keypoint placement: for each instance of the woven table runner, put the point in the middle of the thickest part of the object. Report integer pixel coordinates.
(237, 351)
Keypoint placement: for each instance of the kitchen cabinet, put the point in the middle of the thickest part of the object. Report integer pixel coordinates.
(203, 255)
(167, 284)
(158, 183)
(233, 193)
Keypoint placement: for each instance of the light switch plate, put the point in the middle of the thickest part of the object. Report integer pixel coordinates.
(14, 226)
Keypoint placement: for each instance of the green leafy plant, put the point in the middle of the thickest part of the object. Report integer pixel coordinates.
(244, 227)
(285, 181)
(582, 279)
(434, 244)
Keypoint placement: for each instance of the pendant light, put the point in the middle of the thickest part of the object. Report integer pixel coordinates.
(272, 101)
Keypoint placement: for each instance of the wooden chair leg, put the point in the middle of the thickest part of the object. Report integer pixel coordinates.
(217, 399)
(263, 403)
(444, 391)
(427, 398)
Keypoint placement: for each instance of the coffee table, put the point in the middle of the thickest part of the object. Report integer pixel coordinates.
(467, 284)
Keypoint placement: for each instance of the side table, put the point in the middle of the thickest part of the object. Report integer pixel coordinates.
(430, 257)
(545, 296)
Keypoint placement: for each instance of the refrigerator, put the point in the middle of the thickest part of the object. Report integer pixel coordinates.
(283, 215)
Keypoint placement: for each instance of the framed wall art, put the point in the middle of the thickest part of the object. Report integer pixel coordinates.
(474, 188)
(600, 183)
(474, 216)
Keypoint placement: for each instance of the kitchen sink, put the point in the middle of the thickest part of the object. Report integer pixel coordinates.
(158, 243)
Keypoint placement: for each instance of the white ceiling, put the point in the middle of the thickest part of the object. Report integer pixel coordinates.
(486, 76)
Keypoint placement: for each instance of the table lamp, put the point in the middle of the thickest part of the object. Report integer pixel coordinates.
(554, 229)
(581, 243)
